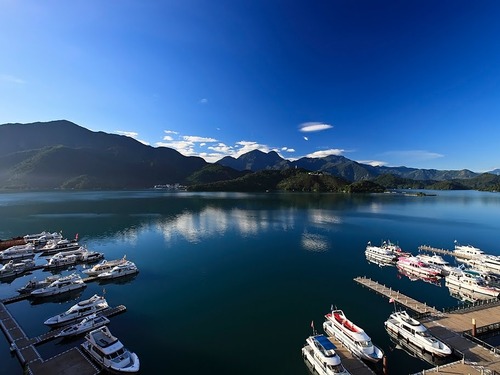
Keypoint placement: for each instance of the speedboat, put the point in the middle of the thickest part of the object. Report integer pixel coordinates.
(88, 323)
(124, 269)
(17, 251)
(11, 269)
(417, 267)
(67, 258)
(319, 352)
(42, 238)
(471, 281)
(104, 266)
(410, 329)
(467, 251)
(56, 246)
(81, 309)
(109, 352)
(37, 284)
(353, 337)
(61, 285)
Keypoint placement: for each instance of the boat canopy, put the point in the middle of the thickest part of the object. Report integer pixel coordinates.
(324, 342)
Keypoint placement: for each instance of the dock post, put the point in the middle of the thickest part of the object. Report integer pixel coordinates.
(384, 364)
(473, 327)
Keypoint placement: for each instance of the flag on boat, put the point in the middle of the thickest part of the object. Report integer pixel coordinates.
(391, 300)
(312, 324)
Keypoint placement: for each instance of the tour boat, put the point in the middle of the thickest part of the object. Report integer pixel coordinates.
(81, 309)
(88, 323)
(380, 253)
(67, 258)
(61, 285)
(470, 281)
(467, 251)
(42, 238)
(56, 246)
(490, 263)
(12, 268)
(104, 266)
(353, 337)
(109, 352)
(37, 284)
(319, 352)
(436, 261)
(17, 251)
(413, 331)
(124, 269)
(417, 267)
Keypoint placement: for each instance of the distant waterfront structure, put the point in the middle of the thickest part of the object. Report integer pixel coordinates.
(175, 186)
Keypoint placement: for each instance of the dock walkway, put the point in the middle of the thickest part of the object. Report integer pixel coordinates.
(352, 363)
(396, 296)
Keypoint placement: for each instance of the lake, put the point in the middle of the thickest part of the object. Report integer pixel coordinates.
(229, 282)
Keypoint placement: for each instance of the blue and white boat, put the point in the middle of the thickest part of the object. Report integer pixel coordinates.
(319, 353)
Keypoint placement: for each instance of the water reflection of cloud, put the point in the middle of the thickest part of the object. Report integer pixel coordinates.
(314, 242)
(323, 217)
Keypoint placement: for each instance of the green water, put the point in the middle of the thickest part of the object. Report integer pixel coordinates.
(229, 283)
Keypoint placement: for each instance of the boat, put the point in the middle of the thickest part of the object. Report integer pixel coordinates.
(351, 336)
(104, 266)
(471, 281)
(416, 267)
(436, 261)
(61, 285)
(12, 268)
(319, 353)
(37, 284)
(42, 238)
(81, 309)
(67, 258)
(86, 324)
(17, 251)
(124, 269)
(56, 246)
(486, 262)
(380, 253)
(466, 295)
(109, 352)
(411, 330)
(467, 251)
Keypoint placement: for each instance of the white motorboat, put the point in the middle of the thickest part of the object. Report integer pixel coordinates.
(81, 309)
(319, 352)
(88, 323)
(109, 352)
(56, 246)
(61, 285)
(37, 284)
(467, 280)
(67, 258)
(42, 238)
(436, 261)
(466, 295)
(413, 331)
(490, 263)
(353, 337)
(104, 266)
(17, 251)
(12, 268)
(124, 269)
(380, 254)
(416, 267)
(467, 251)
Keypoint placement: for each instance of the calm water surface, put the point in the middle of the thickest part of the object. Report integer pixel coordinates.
(229, 283)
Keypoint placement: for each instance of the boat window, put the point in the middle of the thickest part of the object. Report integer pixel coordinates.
(423, 334)
(365, 344)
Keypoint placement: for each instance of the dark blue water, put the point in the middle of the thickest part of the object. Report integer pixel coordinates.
(229, 283)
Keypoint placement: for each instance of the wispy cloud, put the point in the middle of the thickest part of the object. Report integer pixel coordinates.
(323, 153)
(313, 127)
(171, 132)
(373, 163)
(414, 155)
(286, 149)
(204, 101)
(131, 134)
(11, 79)
(196, 139)
(306, 139)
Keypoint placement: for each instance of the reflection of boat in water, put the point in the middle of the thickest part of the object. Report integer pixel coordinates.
(352, 336)
(411, 330)
(466, 295)
(414, 277)
(319, 354)
(417, 352)
(472, 282)
(109, 352)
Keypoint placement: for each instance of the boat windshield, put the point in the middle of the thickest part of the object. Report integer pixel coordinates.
(336, 369)
(364, 344)
(423, 333)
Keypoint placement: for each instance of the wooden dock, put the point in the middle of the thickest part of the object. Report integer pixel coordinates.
(449, 328)
(352, 363)
(396, 296)
(71, 362)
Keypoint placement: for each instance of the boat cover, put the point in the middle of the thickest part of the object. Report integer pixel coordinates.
(325, 343)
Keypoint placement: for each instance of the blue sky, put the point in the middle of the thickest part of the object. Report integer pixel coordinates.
(412, 83)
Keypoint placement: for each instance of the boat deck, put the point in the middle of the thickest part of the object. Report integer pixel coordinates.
(352, 363)
(449, 327)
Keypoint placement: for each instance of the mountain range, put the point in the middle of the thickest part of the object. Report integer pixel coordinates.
(62, 155)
